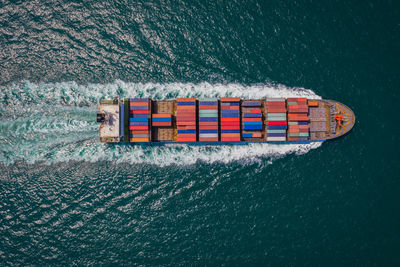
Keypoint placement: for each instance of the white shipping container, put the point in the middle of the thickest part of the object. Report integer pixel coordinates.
(276, 139)
(208, 135)
(276, 99)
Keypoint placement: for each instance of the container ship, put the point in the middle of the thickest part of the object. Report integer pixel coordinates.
(222, 121)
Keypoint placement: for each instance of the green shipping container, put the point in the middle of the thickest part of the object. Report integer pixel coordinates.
(208, 111)
(276, 114)
(276, 131)
(276, 119)
(208, 99)
(303, 134)
(208, 115)
(292, 102)
(293, 123)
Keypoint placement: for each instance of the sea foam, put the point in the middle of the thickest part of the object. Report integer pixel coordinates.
(56, 122)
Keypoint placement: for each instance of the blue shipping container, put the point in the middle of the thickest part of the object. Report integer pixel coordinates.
(252, 122)
(276, 134)
(139, 108)
(247, 135)
(230, 116)
(252, 115)
(230, 131)
(139, 99)
(252, 127)
(209, 119)
(138, 123)
(138, 119)
(186, 103)
(251, 104)
(208, 103)
(186, 131)
(230, 111)
(161, 119)
(276, 127)
(139, 116)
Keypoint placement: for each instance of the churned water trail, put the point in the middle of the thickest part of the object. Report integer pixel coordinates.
(56, 123)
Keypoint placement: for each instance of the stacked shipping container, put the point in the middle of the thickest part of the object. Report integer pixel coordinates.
(208, 120)
(139, 120)
(160, 120)
(186, 119)
(276, 119)
(230, 119)
(298, 119)
(251, 120)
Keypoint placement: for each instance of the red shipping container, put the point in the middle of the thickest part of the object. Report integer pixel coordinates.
(187, 127)
(132, 128)
(292, 139)
(229, 119)
(139, 112)
(230, 139)
(227, 127)
(276, 122)
(184, 139)
(230, 123)
(139, 104)
(208, 127)
(208, 107)
(256, 110)
(297, 117)
(276, 110)
(208, 123)
(191, 116)
(186, 108)
(275, 103)
(185, 123)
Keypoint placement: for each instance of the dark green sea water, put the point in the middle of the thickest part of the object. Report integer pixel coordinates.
(66, 199)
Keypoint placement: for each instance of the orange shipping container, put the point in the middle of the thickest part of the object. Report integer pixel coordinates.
(186, 127)
(230, 135)
(162, 115)
(185, 99)
(230, 99)
(184, 139)
(139, 140)
(187, 135)
(139, 132)
(208, 139)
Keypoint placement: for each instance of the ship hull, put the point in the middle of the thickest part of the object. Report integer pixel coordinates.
(225, 121)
